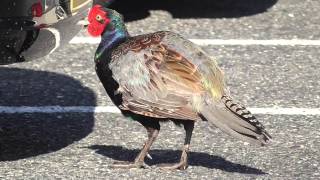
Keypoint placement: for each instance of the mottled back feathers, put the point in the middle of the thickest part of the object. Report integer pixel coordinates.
(160, 79)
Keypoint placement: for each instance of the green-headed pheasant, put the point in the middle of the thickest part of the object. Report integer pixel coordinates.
(162, 76)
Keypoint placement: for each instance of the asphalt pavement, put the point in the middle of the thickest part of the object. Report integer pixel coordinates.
(77, 145)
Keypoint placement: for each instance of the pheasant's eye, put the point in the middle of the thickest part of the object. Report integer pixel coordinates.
(99, 18)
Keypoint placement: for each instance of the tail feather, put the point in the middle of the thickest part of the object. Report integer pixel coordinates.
(244, 114)
(236, 121)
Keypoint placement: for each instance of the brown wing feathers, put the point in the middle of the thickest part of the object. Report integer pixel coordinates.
(173, 80)
(178, 89)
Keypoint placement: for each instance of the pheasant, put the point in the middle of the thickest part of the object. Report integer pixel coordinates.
(162, 76)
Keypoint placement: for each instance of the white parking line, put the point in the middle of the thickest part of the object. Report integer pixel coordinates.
(113, 109)
(246, 42)
(286, 111)
(242, 42)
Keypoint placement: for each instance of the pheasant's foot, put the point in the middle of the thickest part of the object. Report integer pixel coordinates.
(128, 165)
(182, 165)
(174, 166)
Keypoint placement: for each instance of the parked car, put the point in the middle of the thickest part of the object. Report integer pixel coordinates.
(30, 29)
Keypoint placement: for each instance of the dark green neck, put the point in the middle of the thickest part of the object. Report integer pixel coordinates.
(115, 33)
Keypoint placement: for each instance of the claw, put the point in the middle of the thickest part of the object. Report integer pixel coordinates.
(149, 156)
(129, 165)
(180, 166)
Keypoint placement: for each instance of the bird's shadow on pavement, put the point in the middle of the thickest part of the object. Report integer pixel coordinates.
(139, 9)
(119, 153)
(24, 135)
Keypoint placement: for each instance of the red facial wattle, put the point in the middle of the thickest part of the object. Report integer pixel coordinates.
(96, 29)
(98, 20)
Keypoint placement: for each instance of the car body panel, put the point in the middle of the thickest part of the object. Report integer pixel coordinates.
(30, 29)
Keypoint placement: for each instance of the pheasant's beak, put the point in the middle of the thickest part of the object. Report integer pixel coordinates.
(83, 22)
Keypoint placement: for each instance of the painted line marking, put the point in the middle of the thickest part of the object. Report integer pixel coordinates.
(206, 42)
(114, 109)
(246, 42)
(286, 111)
(58, 109)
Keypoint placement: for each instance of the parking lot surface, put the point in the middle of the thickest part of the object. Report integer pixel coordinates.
(82, 145)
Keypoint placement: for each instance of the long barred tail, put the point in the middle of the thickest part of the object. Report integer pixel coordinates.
(235, 120)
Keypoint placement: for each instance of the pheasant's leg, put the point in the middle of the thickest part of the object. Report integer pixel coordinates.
(139, 160)
(183, 164)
